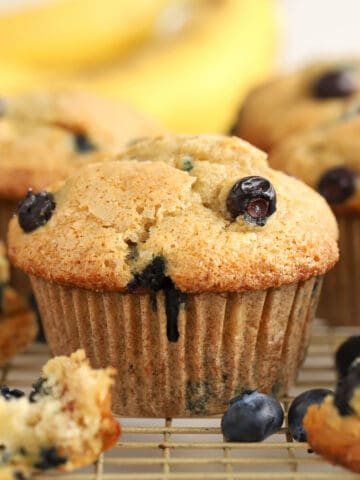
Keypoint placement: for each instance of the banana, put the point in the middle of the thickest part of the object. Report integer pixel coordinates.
(16, 78)
(70, 34)
(199, 60)
(194, 81)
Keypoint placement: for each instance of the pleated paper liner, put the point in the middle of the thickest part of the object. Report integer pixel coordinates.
(340, 298)
(227, 342)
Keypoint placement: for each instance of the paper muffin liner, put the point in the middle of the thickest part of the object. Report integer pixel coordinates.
(340, 299)
(228, 342)
(18, 279)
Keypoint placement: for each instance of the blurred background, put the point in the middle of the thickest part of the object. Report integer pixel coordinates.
(187, 63)
(318, 28)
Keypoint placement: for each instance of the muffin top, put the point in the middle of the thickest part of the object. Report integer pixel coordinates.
(298, 101)
(204, 212)
(328, 159)
(45, 136)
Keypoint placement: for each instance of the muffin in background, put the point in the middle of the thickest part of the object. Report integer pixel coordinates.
(316, 95)
(18, 327)
(46, 136)
(328, 159)
(187, 264)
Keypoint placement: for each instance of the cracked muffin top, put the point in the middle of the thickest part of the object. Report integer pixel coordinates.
(298, 101)
(328, 159)
(205, 210)
(46, 136)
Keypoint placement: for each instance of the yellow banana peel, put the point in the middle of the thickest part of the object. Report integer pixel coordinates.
(196, 82)
(191, 81)
(70, 34)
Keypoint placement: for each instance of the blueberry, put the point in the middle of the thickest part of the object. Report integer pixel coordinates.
(38, 390)
(345, 390)
(346, 354)
(299, 407)
(334, 84)
(254, 198)
(187, 163)
(337, 184)
(35, 210)
(82, 143)
(153, 277)
(49, 458)
(19, 475)
(251, 417)
(10, 393)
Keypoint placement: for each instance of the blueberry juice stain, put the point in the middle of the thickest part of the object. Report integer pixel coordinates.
(153, 277)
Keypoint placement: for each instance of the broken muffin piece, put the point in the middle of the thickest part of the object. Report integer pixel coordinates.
(333, 427)
(67, 421)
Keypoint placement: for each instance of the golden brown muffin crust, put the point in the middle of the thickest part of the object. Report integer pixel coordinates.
(335, 437)
(38, 136)
(310, 155)
(112, 219)
(286, 105)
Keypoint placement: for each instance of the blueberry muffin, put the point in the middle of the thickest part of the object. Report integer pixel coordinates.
(18, 326)
(66, 422)
(328, 159)
(333, 428)
(316, 95)
(46, 136)
(186, 263)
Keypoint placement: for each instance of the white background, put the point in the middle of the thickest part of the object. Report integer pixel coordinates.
(311, 28)
(318, 28)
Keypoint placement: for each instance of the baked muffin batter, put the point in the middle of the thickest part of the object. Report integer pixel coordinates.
(175, 262)
(65, 424)
(170, 197)
(301, 100)
(333, 428)
(46, 136)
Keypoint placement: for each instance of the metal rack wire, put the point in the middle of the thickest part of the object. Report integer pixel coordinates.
(193, 449)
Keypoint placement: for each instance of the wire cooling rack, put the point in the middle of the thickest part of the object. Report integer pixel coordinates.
(193, 449)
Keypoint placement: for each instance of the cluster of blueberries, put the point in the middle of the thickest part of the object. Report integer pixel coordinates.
(38, 389)
(254, 416)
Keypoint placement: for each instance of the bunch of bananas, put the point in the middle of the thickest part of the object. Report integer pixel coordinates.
(188, 63)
